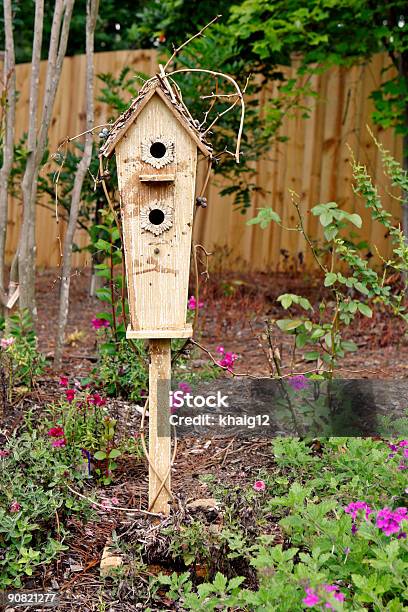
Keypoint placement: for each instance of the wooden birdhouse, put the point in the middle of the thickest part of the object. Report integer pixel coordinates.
(156, 143)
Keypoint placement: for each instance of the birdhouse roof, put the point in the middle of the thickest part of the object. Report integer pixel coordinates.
(125, 120)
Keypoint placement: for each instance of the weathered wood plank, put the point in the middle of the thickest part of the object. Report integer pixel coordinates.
(159, 426)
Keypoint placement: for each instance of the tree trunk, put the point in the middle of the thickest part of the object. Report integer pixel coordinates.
(91, 15)
(36, 142)
(8, 144)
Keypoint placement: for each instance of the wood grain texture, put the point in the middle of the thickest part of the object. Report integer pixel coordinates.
(159, 425)
(157, 266)
(315, 160)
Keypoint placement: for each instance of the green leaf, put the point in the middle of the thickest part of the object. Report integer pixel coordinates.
(114, 453)
(317, 333)
(301, 340)
(220, 582)
(331, 232)
(286, 300)
(361, 288)
(108, 347)
(289, 324)
(100, 455)
(330, 279)
(355, 219)
(304, 303)
(365, 310)
(104, 294)
(235, 582)
(103, 245)
(349, 345)
(312, 355)
(264, 217)
(326, 218)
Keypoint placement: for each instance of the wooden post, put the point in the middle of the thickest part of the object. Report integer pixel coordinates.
(159, 425)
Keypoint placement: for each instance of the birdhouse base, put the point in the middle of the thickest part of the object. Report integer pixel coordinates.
(185, 332)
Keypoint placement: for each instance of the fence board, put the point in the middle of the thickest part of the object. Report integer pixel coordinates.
(314, 162)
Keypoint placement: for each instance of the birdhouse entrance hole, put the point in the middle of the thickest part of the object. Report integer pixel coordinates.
(158, 150)
(156, 216)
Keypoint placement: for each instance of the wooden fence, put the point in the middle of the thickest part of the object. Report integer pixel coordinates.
(314, 161)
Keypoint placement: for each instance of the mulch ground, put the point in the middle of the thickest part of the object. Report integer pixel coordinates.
(236, 307)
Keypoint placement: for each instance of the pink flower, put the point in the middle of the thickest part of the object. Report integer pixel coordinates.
(389, 521)
(311, 599)
(192, 303)
(228, 359)
(56, 432)
(6, 342)
(298, 382)
(4, 453)
(403, 443)
(99, 323)
(15, 506)
(59, 442)
(63, 381)
(259, 485)
(69, 394)
(335, 590)
(354, 508)
(115, 501)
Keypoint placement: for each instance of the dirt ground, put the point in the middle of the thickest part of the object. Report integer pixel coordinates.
(235, 309)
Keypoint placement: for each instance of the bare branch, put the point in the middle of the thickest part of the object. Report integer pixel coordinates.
(177, 51)
(239, 98)
(92, 7)
(9, 97)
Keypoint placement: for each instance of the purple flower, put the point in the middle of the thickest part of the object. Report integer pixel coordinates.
(355, 507)
(298, 383)
(335, 590)
(311, 599)
(389, 521)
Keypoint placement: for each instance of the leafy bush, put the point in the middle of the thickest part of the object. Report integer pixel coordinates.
(80, 423)
(34, 505)
(344, 532)
(19, 355)
(354, 285)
